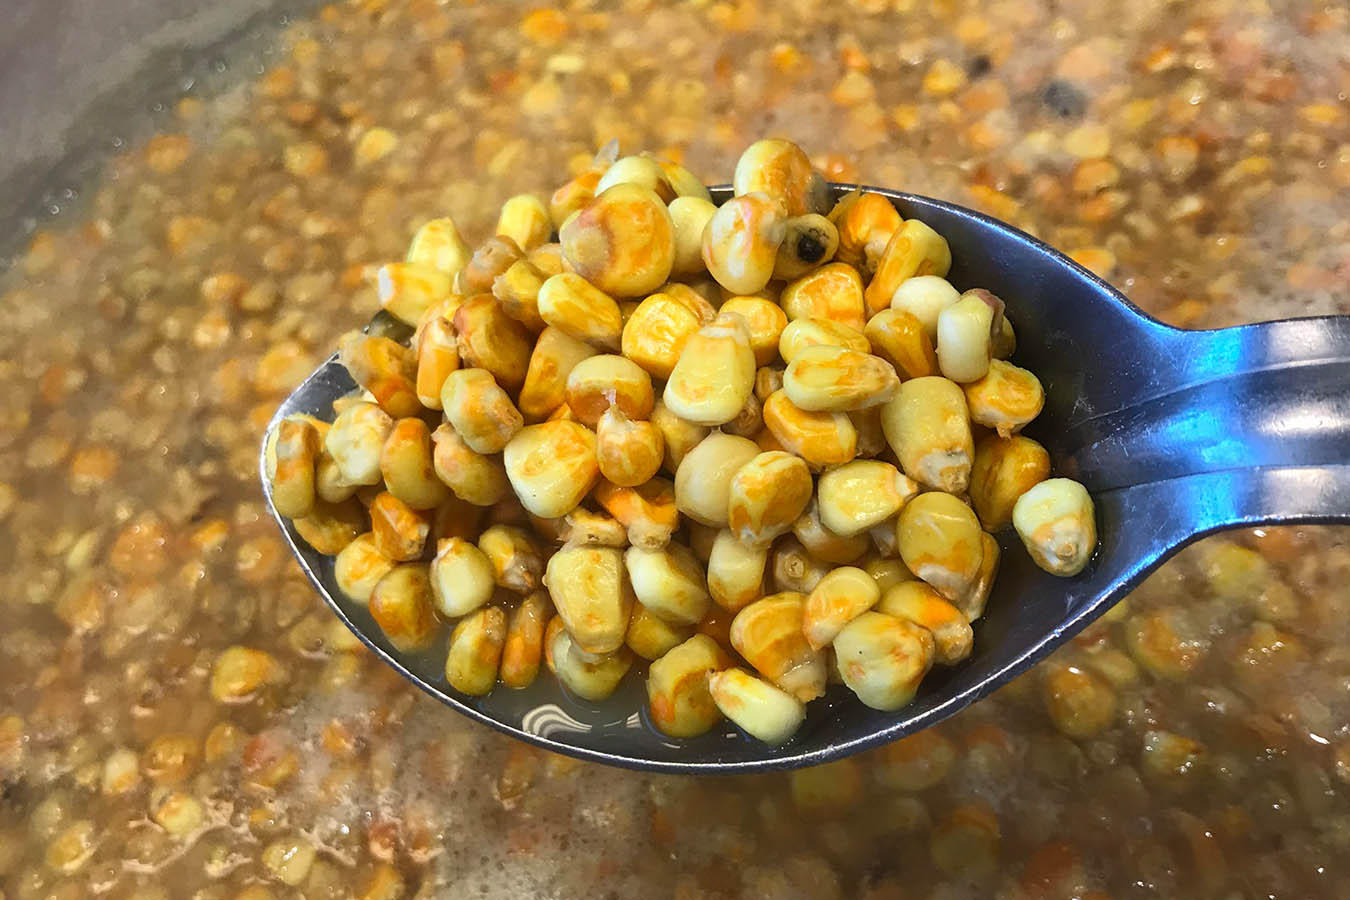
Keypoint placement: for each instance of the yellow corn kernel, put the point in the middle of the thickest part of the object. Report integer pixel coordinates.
(547, 259)
(359, 567)
(517, 290)
(629, 452)
(455, 518)
(678, 435)
(437, 244)
(833, 292)
(384, 368)
(677, 687)
(922, 605)
(517, 562)
(328, 481)
(736, 571)
(524, 645)
(407, 290)
(407, 468)
(914, 250)
(767, 380)
(871, 436)
(1005, 399)
(925, 297)
(973, 601)
(966, 330)
(462, 577)
(767, 442)
(740, 243)
(554, 357)
(479, 410)
(622, 242)
(839, 598)
(859, 495)
(297, 451)
(808, 242)
(591, 591)
(476, 651)
(400, 531)
(590, 676)
(472, 477)
(940, 541)
(802, 333)
(356, 440)
(643, 171)
(437, 356)
(899, 338)
(866, 222)
(689, 217)
(525, 220)
(764, 321)
(794, 569)
(648, 511)
(928, 427)
(831, 379)
(888, 572)
(696, 301)
(1004, 469)
(490, 260)
(824, 544)
(715, 374)
(1057, 525)
(490, 339)
(572, 304)
(599, 382)
(766, 496)
(401, 604)
(669, 582)
(652, 637)
(820, 438)
(1079, 703)
(756, 706)
(748, 422)
(330, 527)
(552, 466)
(655, 334)
(703, 481)
(768, 634)
(572, 196)
(582, 527)
(781, 170)
(882, 659)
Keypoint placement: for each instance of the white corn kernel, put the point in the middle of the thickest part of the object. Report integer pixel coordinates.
(925, 297)
(928, 427)
(839, 598)
(517, 561)
(438, 244)
(591, 591)
(767, 495)
(756, 706)
(555, 355)
(882, 659)
(472, 477)
(581, 527)
(552, 466)
(741, 240)
(768, 634)
(715, 374)
(689, 216)
(820, 438)
(1005, 399)
(359, 567)
(888, 572)
(622, 242)
(824, 544)
(330, 527)
(480, 410)
(678, 435)
(965, 335)
(355, 441)
(462, 579)
(781, 170)
(590, 676)
(862, 494)
(652, 637)
(517, 290)
(808, 242)
(940, 541)
(833, 293)
(669, 583)
(476, 651)
(920, 604)
(736, 571)
(802, 333)
(677, 687)
(643, 171)
(703, 481)
(1057, 524)
(599, 382)
(831, 379)
(684, 182)
(328, 481)
(407, 290)
(524, 219)
(401, 604)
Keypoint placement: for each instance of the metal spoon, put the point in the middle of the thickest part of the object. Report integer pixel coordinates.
(1176, 434)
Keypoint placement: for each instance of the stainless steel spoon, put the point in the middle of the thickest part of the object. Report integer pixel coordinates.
(1176, 434)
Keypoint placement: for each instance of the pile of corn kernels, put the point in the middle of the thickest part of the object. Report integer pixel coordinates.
(841, 424)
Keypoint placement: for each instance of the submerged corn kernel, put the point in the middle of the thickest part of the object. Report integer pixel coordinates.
(689, 217)
(925, 297)
(293, 482)
(973, 601)
(831, 379)
(462, 577)
(598, 383)
(668, 582)
(740, 242)
(899, 338)
(591, 676)
(648, 511)
(1005, 468)
(715, 375)
(401, 604)
(525, 220)
(833, 292)
(655, 334)
(628, 451)
(573, 305)
(407, 290)
(766, 496)
(472, 477)
(757, 707)
(781, 170)
(475, 651)
(524, 646)
(555, 355)
(865, 222)
(437, 244)
(479, 410)
(882, 659)
(517, 290)
(385, 368)
(862, 494)
(437, 356)
(928, 426)
(677, 687)
(764, 321)
(359, 566)
(921, 604)
(793, 568)
(820, 438)
(552, 466)
(802, 333)
(913, 250)
(1057, 525)
(941, 542)
(808, 241)
(400, 531)
(407, 468)
(652, 637)
(490, 339)
(703, 481)
(768, 634)
(591, 591)
(356, 440)
(622, 241)
(517, 561)
(736, 571)
(839, 598)
(1005, 399)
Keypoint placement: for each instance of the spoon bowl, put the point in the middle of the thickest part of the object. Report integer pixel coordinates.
(1176, 434)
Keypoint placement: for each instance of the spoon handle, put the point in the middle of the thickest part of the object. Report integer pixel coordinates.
(1241, 426)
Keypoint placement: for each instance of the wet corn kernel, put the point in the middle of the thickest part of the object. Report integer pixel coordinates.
(461, 577)
(491, 259)
(741, 241)
(407, 468)
(840, 597)
(913, 250)
(921, 604)
(650, 636)
(715, 375)
(669, 583)
(757, 707)
(359, 567)
(407, 290)
(656, 333)
(927, 424)
(240, 672)
(573, 305)
(689, 217)
(973, 601)
(490, 339)
(523, 649)
(598, 383)
(802, 333)
(703, 480)
(677, 687)
(859, 495)
(820, 438)
(472, 477)
(898, 337)
(940, 542)
(766, 496)
(356, 440)
(552, 466)
(517, 561)
(965, 335)
(887, 572)
(437, 356)
(591, 592)
(830, 379)
(865, 222)
(768, 635)
(385, 368)
(735, 571)
(517, 290)
(882, 659)
(643, 171)
(475, 651)
(401, 603)
(629, 452)
(1005, 399)
(400, 531)
(1057, 524)
(782, 171)
(1079, 703)
(590, 676)
(438, 244)
(622, 241)
(764, 321)
(648, 511)
(293, 481)
(833, 292)
(583, 527)
(479, 410)
(808, 242)
(966, 842)
(525, 220)
(794, 569)
(916, 762)
(552, 360)
(569, 198)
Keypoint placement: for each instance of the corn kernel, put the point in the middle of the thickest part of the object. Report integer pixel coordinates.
(356, 440)
(820, 438)
(554, 357)
(407, 290)
(475, 651)
(517, 562)
(871, 436)
(768, 634)
(824, 544)
(407, 468)
(756, 706)
(888, 572)
(479, 410)
(833, 292)
(461, 577)
(898, 337)
(922, 605)
(585, 528)
(668, 582)
(689, 217)
(491, 259)
(914, 250)
(656, 333)
(1004, 469)
(965, 338)
(715, 375)
(862, 494)
(524, 646)
(359, 567)
(517, 290)
(767, 380)
(703, 481)
(552, 466)
(973, 601)
(802, 333)
(437, 244)
(643, 171)
(525, 220)
(572, 304)
(1056, 523)
(865, 222)
(401, 604)
(297, 451)
(764, 321)
(591, 591)
(741, 241)
(736, 571)
(808, 242)
(677, 687)
(928, 427)
(829, 379)
(648, 511)
(925, 297)
(473, 477)
(651, 637)
(598, 383)
(622, 242)
(794, 569)
(882, 659)
(629, 452)
(590, 676)
(766, 496)
(1005, 399)
(384, 368)
(400, 531)
(782, 171)
(330, 527)
(839, 598)
(490, 339)
(940, 541)
(437, 356)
